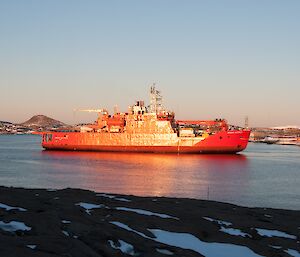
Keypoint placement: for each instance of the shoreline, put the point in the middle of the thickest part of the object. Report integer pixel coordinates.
(77, 222)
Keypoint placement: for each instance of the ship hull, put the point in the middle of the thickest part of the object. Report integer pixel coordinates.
(221, 142)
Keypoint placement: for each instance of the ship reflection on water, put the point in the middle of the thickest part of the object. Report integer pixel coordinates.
(194, 176)
(262, 175)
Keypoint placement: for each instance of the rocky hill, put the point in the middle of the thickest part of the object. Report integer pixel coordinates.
(42, 121)
(36, 123)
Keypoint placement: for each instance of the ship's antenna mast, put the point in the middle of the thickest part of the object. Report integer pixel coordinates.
(246, 122)
(155, 100)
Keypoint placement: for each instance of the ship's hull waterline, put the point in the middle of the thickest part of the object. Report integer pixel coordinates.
(221, 142)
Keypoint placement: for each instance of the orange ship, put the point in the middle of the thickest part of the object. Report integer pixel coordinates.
(149, 129)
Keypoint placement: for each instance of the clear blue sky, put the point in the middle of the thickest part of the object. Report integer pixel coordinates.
(209, 58)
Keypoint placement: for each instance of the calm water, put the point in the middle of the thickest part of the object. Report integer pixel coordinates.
(264, 175)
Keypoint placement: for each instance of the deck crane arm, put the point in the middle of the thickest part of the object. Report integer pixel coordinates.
(93, 110)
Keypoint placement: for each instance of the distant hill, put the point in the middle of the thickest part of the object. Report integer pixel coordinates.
(42, 121)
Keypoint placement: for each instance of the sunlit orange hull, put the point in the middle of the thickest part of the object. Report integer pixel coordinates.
(231, 141)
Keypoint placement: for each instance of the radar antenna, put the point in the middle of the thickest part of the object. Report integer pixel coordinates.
(156, 105)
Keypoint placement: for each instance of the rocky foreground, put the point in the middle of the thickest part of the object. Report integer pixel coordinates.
(73, 222)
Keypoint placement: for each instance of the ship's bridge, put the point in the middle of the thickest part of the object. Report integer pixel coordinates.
(138, 108)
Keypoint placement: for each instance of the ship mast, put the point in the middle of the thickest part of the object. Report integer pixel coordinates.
(156, 105)
(246, 122)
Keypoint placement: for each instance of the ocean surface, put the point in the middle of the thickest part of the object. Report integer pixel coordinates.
(261, 176)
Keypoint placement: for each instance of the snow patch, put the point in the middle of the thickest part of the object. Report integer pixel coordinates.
(8, 208)
(164, 251)
(271, 233)
(148, 213)
(89, 206)
(188, 241)
(268, 216)
(124, 226)
(65, 233)
(234, 232)
(293, 252)
(122, 199)
(31, 246)
(65, 221)
(124, 247)
(114, 197)
(13, 226)
(275, 246)
(106, 195)
(220, 222)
